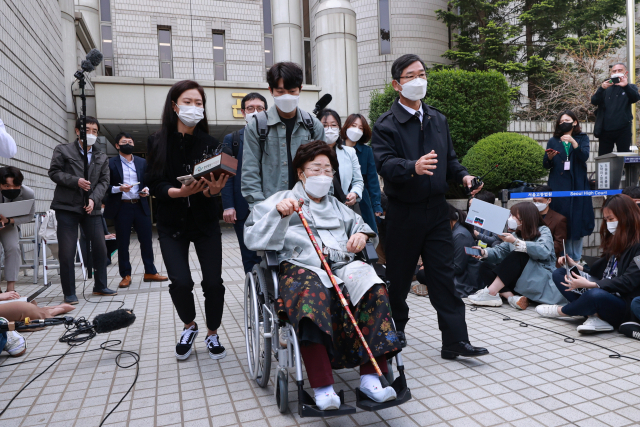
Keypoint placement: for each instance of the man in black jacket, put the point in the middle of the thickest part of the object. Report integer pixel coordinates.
(67, 171)
(614, 102)
(414, 154)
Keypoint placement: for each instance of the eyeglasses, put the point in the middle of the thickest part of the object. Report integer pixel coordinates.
(421, 75)
(317, 171)
(331, 127)
(252, 109)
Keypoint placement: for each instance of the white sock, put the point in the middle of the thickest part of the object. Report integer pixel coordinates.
(321, 392)
(370, 381)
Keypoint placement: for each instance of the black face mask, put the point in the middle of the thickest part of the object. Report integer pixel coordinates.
(565, 127)
(11, 194)
(126, 149)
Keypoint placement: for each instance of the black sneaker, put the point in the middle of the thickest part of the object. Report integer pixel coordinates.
(216, 350)
(630, 329)
(183, 348)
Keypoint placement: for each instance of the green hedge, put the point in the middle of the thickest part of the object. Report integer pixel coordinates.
(476, 104)
(519, 157)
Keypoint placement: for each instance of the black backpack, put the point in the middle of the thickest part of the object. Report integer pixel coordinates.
(263, 129)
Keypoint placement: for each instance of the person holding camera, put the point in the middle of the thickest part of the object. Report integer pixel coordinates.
(614, 119)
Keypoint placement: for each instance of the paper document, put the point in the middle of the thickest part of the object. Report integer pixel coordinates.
(487, 216)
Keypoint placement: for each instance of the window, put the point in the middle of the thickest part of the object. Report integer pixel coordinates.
(306, 42)
(218, 56)
(105, 10)
(107, 50)
(164, 52)
(268, 33)
(385, 27)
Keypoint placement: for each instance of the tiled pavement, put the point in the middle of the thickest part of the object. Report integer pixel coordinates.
(532, 377)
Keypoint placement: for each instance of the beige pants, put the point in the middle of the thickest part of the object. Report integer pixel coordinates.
(19, 310)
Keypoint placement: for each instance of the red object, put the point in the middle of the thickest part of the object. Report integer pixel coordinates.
(344, 302)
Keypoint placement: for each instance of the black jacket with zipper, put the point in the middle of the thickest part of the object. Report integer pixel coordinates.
(173, 215)
(399, 140)
(614, 104)
(626, 283)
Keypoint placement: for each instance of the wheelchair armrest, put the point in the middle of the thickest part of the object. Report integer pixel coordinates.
(369, 253)
(271, 258)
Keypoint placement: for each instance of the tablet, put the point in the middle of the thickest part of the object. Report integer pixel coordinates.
(14, 209)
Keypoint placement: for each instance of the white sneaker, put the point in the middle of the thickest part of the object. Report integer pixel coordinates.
(518, 302)
(16, 344)
(327, 400)
(483, 297)
(594, 324)
(548, 310)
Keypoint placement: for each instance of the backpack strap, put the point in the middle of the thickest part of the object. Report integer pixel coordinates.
(308, 123)
(262, 129)
(236, 143)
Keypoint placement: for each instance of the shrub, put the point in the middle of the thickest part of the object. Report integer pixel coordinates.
(476, 104)
(519, 157)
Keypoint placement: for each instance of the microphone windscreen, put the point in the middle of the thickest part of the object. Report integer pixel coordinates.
(113, 320)
(324, 101)
(95, 57)
(87, 66)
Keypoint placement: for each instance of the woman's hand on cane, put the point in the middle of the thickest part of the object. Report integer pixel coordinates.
(287, 207)
(357, 242)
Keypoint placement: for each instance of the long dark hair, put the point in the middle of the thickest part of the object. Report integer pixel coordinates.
(329, 112)
(628, 231)
(576, 129)
(157, 155)
(456, 214)
(530, 218)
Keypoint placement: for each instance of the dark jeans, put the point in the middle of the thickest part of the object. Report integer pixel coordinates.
(175, 252)
(509, 271)
(132, 214)
(609, 307)
(68, 236)
(635, 307)
(621, 138)
(249, 258)
(415, 230)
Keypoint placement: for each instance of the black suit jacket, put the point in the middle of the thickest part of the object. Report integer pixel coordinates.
(113, 201)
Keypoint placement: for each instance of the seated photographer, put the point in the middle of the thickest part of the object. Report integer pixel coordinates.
(556, 222)
(466, 269)
(486, 236)
(328, 339)
(13, 191)
(605, 291)
(524, 262)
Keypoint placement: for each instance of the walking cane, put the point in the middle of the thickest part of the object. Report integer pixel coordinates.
(344, 302)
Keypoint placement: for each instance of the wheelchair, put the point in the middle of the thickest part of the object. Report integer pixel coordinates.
(266, 334)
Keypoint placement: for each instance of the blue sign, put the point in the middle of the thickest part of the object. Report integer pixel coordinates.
(547, 194)
(634, 159)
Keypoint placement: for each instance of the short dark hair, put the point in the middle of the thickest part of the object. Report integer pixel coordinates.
(329, 112)
(251, 96)
(366, 130)
(576, 129)
(486, 196)
(90, 120)
(632, 191)
(289, 72)
(310, 151)
(403, 62)
(11, 172)
(543, 189)
(122, 135)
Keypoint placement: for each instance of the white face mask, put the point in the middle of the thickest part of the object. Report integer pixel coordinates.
(286, 103)
(612, 226)
(541, 206)
(415, 90)
(354, 134)
(249, 117)
(331, 135)
(317, 186)
(512, 223)
(613, 76)
(91, 139)
(190, 115)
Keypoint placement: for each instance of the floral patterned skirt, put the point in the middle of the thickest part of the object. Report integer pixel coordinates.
(305, 297)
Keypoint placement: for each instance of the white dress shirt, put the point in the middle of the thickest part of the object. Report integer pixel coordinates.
(90, 155)
(8, 146)
(129, 177)
(412, 111)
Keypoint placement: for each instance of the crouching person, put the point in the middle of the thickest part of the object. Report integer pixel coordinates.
(327, 337)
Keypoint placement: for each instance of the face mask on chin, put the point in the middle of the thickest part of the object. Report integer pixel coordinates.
(317, 186)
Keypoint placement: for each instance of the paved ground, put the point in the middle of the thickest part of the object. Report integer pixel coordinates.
(532, 377)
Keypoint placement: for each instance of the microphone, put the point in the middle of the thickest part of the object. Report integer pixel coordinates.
(477, 182)
(92, 60)
(322, 103)
(113, 320)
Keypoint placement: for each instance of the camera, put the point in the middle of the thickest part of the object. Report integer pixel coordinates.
(614, 80)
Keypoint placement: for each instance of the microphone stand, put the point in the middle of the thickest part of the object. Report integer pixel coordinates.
(83, 129)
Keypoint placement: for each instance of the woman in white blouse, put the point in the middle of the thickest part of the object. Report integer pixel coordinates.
(349, 177)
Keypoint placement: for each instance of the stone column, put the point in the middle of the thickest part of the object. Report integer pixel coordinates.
(337, 55)
(70, 61)
(287, 31)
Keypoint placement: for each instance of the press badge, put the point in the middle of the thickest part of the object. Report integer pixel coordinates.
(567, 165)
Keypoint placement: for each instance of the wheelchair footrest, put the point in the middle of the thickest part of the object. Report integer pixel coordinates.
(307, 406)
(402, 391)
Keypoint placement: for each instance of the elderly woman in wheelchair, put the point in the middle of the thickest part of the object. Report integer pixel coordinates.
(326, 337)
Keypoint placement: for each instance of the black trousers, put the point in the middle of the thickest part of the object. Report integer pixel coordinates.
(249, 257)
(509, 270)
(621, 138)
(415, 230)
(175, 252)
(67, 237)
(132, 215)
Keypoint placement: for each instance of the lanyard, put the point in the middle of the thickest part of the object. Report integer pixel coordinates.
(128, 165)
(566, 147)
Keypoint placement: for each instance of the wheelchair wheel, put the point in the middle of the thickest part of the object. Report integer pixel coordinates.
(251, 325)
(264, 351)
(282, 391)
